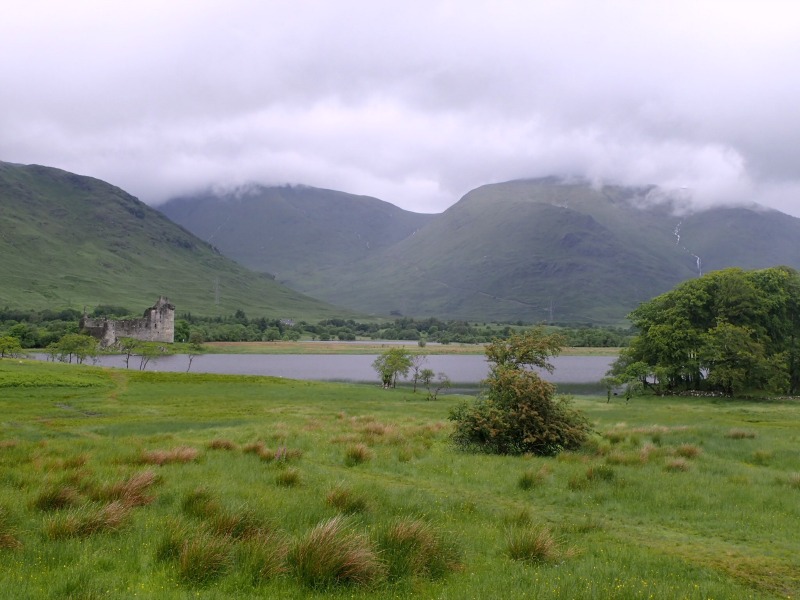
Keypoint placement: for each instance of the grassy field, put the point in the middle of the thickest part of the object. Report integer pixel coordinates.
(363, 347)
(122, 484)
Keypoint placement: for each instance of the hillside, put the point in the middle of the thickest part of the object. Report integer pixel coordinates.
(293, 231)
(74, 241)
(543, 249)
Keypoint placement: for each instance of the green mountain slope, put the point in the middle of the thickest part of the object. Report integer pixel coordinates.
(293, 231)
(73, 241)
(546, 250)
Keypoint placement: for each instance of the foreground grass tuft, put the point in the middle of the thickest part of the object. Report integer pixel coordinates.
(183, 454)
(9, 536)
(535, 545)
(87, 520)
(346, 500)
(357, 454)
(412, 547)
(332, 554)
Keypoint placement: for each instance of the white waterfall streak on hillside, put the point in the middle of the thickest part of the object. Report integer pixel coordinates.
(677, 233)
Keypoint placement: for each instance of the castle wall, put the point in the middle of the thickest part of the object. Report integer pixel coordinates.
(156, 325)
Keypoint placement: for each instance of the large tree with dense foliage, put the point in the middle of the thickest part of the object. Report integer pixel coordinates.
(728, 331)
(519, 412)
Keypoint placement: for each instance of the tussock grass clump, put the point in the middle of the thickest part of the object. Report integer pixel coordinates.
(200, 503)
(289, 477)
(87, 520)
(688, 451)
(761, 457)
(253, 448)
(263, 556)
(615, 436)
(204, 557)
(618, 457)
(8, 444)
(130, 492)
(355, 454)
(57, 497)
(794, 480)
(182, 454)
(331, 554)
(600, 473)
(9, 536)
(535, 545)
(530, 478)
(169, 547)
(239, 524)
(221, 444)
(346, 500)
(412, 547)
(677, 464)
(740, 434)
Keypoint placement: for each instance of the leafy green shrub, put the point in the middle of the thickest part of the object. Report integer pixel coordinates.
(330, 554)
(519, 413)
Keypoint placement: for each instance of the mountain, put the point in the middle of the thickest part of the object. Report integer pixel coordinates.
(74, 241)
(294, 231)
(531, 250)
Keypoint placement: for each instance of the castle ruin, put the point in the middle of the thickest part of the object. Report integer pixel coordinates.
(157, 325)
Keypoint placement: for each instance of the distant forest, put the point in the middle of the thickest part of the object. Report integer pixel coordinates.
(37, 329)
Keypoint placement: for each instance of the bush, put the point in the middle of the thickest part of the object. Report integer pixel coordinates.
(519, 413)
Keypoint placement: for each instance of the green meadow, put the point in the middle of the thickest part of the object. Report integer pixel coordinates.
(128, 484)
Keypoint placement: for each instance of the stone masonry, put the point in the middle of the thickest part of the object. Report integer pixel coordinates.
(157, 325)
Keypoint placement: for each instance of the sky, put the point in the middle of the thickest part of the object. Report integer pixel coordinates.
(413, 102)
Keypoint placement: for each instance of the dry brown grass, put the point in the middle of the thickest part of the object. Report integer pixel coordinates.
(181, 454)
(8, 444)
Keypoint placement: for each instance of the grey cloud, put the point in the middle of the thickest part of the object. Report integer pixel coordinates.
(413, 102)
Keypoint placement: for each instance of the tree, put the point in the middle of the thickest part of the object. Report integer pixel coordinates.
(128, 346)
(73, 345)
(417, 361)
(150, 352)
(519, 412)
(10, 346)
(391, 364)
(728, 331)
(196, 347)
(435, 386)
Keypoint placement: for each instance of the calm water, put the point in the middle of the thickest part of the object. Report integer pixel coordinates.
(463, 369)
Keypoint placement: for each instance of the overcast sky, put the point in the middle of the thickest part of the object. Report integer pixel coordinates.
(414, 102)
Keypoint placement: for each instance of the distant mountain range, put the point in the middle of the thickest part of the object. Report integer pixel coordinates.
(530, 250)
(69, 241)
